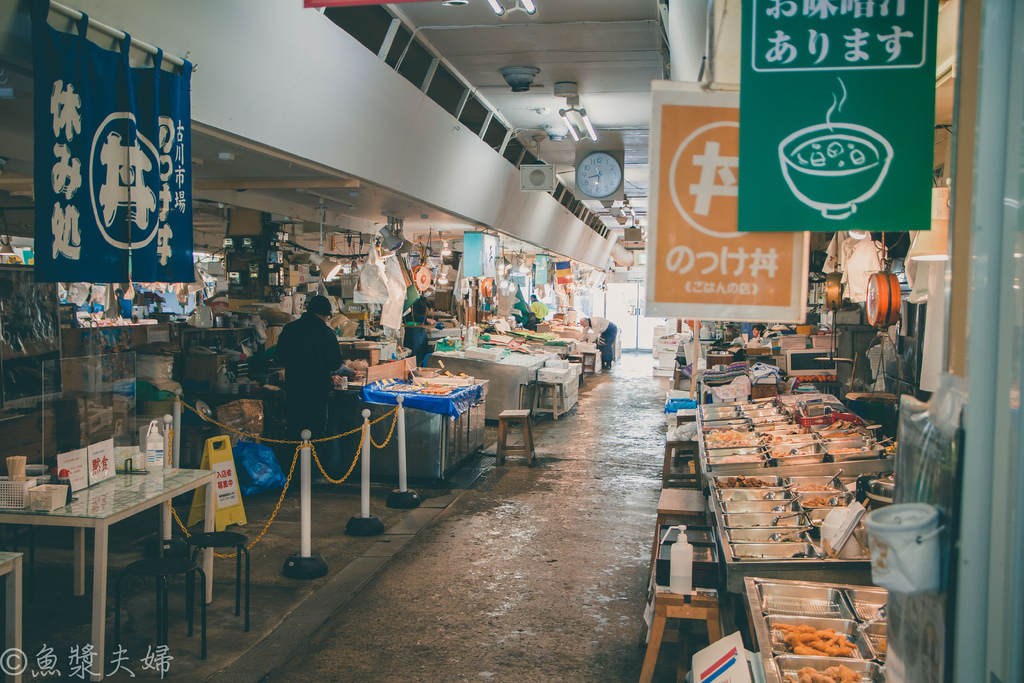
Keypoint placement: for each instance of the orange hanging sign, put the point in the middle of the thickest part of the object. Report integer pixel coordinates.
(699, 264)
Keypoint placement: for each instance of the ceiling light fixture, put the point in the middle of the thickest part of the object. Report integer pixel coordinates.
(857, 234)
(391, 235)
(529, 6)
(443, 279)
(454, 3)
(569, 125)
(496, 6)
(445, 249)
(574, 116)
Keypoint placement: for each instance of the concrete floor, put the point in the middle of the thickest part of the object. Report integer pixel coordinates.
(503, 574)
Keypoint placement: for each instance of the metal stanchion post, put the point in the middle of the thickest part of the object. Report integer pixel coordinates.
(306, 564)
(169, 546)
(176, 445)
(365, 524)
(403, 498)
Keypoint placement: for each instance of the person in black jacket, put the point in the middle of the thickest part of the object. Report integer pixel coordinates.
(308, 350)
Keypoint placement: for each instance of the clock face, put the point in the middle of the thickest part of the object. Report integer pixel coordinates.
(598, 175)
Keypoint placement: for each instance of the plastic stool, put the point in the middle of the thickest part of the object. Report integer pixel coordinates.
(160, 568)
(227, 539)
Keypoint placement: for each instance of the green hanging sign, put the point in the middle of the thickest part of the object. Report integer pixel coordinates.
(837, 114)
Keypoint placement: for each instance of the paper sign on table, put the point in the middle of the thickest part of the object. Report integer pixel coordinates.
(77, 464)
(724, 661)
(101, 461)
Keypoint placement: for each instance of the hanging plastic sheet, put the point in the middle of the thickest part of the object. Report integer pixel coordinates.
(391, 314)
(373, 283)
(452, 405)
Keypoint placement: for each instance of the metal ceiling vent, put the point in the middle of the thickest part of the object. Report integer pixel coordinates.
(519, 78)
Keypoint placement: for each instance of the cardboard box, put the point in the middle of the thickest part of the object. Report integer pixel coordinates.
(203, 367)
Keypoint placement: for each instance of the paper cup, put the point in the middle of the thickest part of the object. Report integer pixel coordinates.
(904, 542)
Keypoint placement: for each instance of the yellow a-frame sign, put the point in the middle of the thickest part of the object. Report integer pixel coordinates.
(217, 456)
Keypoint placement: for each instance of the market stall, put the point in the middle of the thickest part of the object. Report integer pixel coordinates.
(510, 376)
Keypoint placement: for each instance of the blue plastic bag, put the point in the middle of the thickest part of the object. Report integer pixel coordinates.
(258, 469)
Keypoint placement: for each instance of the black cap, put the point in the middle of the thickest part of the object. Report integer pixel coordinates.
(320, 305)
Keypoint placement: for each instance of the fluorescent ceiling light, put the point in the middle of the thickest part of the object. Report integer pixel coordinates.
(568, 124)
(496, 6)
(529, 6)
(590, 127)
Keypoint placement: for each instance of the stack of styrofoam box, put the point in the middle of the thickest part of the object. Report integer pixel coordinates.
(586, 347)
(558, 375)
(659, 332)
(568, 377)
(557, 363)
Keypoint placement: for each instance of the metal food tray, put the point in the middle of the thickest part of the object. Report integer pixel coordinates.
(876, 635)
(761, 412)
(772, 481)
(867, 601)
(716, 466)
(726, 495)
(779, 599)
(762, 520)
(806, 454)
(769, 420)
(711, 412)
(773, 552)
(739, 450)
(787, 535)
(747, 506)
(844, 498)
(847, 627)
(788, 438)
(798, 482)
(866, 454)
(870, 672)
(727, 423)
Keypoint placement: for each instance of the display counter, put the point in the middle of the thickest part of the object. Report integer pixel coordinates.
(511, 378)
(853, 611)
(435, 444)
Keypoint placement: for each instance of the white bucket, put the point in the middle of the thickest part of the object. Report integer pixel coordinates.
(904, 542)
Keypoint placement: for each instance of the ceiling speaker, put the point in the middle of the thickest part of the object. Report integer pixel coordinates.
(537, 177)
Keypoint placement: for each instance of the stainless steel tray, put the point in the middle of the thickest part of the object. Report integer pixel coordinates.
(841, 499)
(864, 454)
(769, 420)
(847, 627)
(787, 438)
(866, 601)
(720, 452)
(876, 635)
(771, 481)
(746, 506)
(800, 483)
(774, 551)
(777, 535)
(870, 672)
(761, 412)
(801, 448)
(761, 520)
(727, 423)
(726, 495)
(781, 599)
(713, 412)
(848, 443)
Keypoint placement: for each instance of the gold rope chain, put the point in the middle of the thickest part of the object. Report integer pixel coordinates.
(291, 470)
(254, 437)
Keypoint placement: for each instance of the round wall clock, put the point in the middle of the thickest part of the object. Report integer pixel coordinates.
(883, 304)
(598, 175)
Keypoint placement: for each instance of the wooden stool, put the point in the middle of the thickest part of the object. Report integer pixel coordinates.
(701, 606)
(683, 453)
(506, 418)
(589, 362)
(557, 398)
(687, 506)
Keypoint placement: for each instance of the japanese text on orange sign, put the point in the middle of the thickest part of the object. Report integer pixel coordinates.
(701, 258)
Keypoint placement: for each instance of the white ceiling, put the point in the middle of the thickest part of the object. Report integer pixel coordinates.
(611, 48)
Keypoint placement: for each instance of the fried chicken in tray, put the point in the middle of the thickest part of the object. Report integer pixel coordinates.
(833, 674)
(807, 640)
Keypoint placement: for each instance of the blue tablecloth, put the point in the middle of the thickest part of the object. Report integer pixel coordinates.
(452, 405)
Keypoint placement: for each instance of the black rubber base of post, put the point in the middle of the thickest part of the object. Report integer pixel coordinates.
(175, 547)
(403, 500)
(364, 526)
(298, 567)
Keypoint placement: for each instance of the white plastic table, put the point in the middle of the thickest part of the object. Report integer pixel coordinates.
(104, 504)
(10, 569)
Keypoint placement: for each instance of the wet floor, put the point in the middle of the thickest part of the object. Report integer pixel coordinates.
(533, 574)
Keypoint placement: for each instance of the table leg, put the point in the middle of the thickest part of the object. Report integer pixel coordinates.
(653, 645)
(13, 589)
(79, 561)
(208, 526)
(99, 598)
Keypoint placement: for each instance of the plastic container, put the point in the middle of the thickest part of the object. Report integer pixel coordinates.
(681, 564)
(904, 542)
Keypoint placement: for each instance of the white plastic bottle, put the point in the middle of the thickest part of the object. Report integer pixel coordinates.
(681, 564)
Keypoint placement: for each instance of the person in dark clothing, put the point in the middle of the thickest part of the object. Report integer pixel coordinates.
(308, 350)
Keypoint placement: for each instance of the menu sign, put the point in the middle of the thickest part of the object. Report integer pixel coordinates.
(699, 264)
(838, 113)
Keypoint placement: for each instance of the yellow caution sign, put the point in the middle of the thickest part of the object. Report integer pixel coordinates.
(217, 457)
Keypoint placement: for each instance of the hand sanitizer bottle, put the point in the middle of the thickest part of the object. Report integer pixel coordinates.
(681, 564)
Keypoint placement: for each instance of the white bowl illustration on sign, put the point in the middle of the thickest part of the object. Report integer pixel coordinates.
(832, 167)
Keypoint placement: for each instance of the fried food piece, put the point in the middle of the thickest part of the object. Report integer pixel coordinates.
(803, 639)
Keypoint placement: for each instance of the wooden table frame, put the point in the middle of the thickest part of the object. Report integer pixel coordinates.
(11, 570)
(101, 527)
(701, 606)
